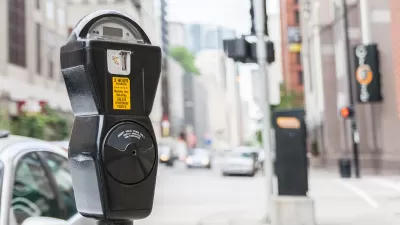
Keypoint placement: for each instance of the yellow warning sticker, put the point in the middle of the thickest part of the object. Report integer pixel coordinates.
(121, 93)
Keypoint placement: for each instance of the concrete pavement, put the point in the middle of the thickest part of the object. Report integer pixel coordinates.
(204, 197)
(367, 201)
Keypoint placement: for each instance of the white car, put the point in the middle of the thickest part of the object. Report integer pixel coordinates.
(35, 184)
(239, 162)
(62, 144)
(199, 158)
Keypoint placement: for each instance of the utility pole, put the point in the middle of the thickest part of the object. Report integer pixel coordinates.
(166, 118)
(266, 132)
(354, 130)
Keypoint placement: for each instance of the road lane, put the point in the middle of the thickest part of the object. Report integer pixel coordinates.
(201, 196)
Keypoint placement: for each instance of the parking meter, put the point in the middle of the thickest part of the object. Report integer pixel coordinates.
(111, 72)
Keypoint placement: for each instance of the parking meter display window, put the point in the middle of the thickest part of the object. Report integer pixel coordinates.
(129, 153)
(115, 29)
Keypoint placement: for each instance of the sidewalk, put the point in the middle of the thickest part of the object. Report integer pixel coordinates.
(369, 200)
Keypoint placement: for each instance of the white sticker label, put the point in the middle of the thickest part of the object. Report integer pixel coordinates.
(119, 62)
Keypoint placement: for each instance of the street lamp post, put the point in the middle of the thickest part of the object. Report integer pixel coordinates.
(266, 131)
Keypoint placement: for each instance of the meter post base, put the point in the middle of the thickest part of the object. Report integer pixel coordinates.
(114, 222)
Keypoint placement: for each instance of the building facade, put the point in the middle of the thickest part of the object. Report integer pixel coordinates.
(31, 33)
(327, 79)
(291, 45)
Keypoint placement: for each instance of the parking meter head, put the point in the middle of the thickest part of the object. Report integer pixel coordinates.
(105, 45)
(111, 71)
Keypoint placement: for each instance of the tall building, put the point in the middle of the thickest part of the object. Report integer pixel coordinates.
(194, 37)
(177, 34)
(291, 45)
(327, 79)
(31, 33)
(200, 108)
(206, 37)
(214, 80)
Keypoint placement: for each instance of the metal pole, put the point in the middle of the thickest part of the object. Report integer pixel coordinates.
(367, 39)
(266, 132)
(354, 131)
(365, 26)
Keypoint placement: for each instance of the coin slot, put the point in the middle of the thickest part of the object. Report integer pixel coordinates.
(124, 59)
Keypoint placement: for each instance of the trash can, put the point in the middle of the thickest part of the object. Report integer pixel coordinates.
(345, 168)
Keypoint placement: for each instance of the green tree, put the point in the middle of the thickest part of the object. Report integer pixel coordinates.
(185, 58)
(48, 125)
(5, 122)
(289, 99)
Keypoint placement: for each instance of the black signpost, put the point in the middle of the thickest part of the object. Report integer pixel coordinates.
(367, 73)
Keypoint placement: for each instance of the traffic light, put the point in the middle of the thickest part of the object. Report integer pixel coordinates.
(270, 52)
(347, 112)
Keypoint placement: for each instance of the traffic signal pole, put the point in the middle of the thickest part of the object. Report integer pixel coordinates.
(354, 131)
(266, 131)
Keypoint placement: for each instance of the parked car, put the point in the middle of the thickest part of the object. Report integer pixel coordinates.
(166, 155)
(199, 158)
(239, 162)
(35, 183)
(62, 144)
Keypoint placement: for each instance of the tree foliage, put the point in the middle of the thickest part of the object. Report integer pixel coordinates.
(49, 125)
(185, 58)
(5, 122)
(289, 99)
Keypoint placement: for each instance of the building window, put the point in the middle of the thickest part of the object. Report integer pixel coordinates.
(38, 49)
(16, 32)
(61, 16)
(298, 58)
(37, 4)
(301, 81)
(50, 63)
(50, 9)
(297, 15)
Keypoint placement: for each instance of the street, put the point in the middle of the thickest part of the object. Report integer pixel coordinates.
(202, 197)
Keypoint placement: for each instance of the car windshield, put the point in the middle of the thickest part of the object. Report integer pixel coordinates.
(241, 154)
(1, 177)
(163, 149)
(199, 152)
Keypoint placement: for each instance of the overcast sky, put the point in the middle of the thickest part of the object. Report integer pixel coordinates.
(229, 13)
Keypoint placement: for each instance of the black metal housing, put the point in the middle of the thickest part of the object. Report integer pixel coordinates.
(99, 192)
